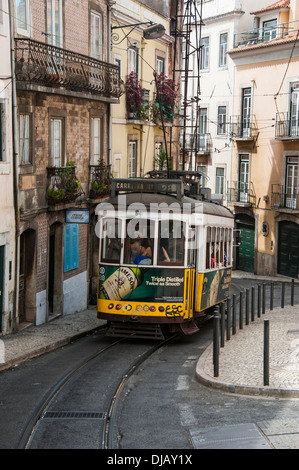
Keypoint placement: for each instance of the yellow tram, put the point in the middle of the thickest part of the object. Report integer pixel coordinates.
(165, 257)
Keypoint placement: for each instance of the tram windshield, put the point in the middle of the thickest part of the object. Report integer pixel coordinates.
(139, 242)
(171, 242)
(111, 247)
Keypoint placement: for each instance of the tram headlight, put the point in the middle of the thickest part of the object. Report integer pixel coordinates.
(110, 306)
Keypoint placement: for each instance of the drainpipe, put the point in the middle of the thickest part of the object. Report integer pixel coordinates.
(15, 145)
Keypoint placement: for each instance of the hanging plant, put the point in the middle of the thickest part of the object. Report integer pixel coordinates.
(165, 99)
(134, 93)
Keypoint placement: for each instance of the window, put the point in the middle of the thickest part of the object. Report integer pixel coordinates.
(222, 50)
(111, 244)
(295, 109)
(160, 65)
(96, 34)
(244, 178)
(269, 30)
(291, 191)
(24, 141)
(23, 16)
(171, 242)
(96, 140)
(221, 120)
(204, 56)
(132, 173)
(218, 247)
(57, 145)
(132, 60)
(139, 242)
(54, 22)
(246, 112)
(219, 180)
(203, 170)
(202, 128)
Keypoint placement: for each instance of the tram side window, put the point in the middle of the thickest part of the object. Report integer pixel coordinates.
(139, 242)
(218, 247)
(171, 242)
(111, 245)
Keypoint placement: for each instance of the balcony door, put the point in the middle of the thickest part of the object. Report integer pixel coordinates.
(295, 110)
(291, 192)
(57, 146)
(246, 113)
(54, 23)
(244, 178)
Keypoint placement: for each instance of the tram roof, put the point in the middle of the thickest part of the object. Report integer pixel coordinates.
(149, 200)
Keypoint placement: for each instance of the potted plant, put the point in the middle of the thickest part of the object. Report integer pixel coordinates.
(134, 95)
(165, 99)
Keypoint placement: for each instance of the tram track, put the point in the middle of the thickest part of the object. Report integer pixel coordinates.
(108, 417)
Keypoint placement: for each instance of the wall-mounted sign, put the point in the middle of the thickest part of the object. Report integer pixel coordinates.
(78, 216)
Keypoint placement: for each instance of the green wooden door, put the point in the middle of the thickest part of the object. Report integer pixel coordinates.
(246, 250)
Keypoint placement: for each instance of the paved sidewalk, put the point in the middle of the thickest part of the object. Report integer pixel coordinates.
(36, 340)
(241, 362)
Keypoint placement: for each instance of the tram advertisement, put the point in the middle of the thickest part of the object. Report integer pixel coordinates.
(216, 285)
(144, 284)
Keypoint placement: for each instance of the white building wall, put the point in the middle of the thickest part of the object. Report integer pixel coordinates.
(7, 217)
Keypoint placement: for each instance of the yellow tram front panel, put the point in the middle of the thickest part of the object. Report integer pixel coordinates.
(166, 293)
(212, 287)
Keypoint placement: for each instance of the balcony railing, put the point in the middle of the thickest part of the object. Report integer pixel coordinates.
(283, 197)
(266, 34)
(286, 127)
(63, 185)
(47, 65)
(240, 193)
(199, 143)
(243, 128)
(100, 180)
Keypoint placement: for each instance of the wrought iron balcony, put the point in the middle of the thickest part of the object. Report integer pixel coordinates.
(283, 197)
(239, 193)
(100, 180)
(243, 128)
(63, 185)
(47, 65)
(199, 143)
(266, 34)
(286, 127)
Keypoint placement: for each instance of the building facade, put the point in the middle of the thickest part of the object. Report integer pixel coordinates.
(65, 87)
(142, 46)
(8, 246)
(263, 190)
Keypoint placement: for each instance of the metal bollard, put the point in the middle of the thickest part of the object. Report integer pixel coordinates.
(234, 314)
(264, 299)
(266, 352)
(271, 295)
(292, 292)
(252, 303)
(247, 307)
(228, 318)
(241, 311)
(259, 300)
(222, 326)
(216, 345)
(282, 293)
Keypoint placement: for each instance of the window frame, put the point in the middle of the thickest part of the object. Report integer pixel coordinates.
(222, 50)
(28, 160)
(204, 56)
(53, 38)
(52, 158)
(93, 120)
(221, 121)
(27, 20)
(96, 50)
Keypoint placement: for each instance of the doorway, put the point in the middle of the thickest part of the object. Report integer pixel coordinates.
(246, 250)
(27, 277)
(288, 249)
(55, 273)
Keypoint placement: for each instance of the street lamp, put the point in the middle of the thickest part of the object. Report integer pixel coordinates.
(154, 31)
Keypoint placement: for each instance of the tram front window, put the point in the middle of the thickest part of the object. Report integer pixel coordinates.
(139, 243)
(111, 246)
(171, 242)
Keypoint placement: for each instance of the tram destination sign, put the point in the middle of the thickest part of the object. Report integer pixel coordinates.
(146, 185)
